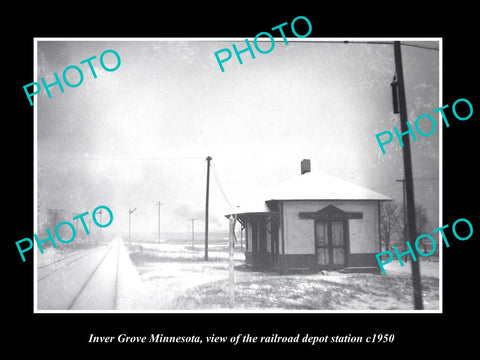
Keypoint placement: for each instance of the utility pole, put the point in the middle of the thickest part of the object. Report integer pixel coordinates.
(209, 158)
(55, 216)
(404, 208)
(241, 231)
(129, 222)
(159, 204)
(407, 164)
(90, 226)
(77, 243)
(193, 232)
(241, 237)
(100, 229)
(55, 211)
(231, 262)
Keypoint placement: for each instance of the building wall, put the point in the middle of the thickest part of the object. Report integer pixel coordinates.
(300, 234)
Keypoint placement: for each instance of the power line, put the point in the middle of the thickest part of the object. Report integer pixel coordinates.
(391, 43)
(126, 158)
(420, 46)
(222, 190)
(372, 42)
(395, 185)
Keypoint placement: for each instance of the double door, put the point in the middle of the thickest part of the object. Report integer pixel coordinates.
(330, 243)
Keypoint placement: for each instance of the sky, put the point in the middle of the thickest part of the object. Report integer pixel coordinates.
(140, 134)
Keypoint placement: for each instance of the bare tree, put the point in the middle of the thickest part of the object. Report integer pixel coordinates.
(390, 218)
(421, 220)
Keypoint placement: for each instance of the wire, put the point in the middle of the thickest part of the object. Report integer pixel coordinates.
(403, 43)
(126, 158)
(215, 175)
(420, 46)
(396, 184)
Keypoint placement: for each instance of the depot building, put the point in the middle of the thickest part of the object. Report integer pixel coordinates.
(312, 221)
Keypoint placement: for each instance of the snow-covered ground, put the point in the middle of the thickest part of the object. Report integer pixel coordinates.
(77, 279)
(176, 277)
(167, 270)
(98, 278)
(131, 292)
(427, 268)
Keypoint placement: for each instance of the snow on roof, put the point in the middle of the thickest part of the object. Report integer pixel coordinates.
(254, 205)
(310, 186)
(321, 186)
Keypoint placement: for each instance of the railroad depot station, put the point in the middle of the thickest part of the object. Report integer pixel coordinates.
(313, 221)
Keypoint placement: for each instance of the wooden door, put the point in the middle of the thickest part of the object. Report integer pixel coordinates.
(321, 243)
(330, 243)
(337, 243)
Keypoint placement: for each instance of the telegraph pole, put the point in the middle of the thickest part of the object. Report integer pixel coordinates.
(193, 232)
(90, 226)
(241, 238)
(209, 158)
(241, 231)
(55, 216)
(159, 204)
(55, 211)
(76, 232)
(231, 262)
(100, 229)
(129, 222)
(407, 164)
(404, 209)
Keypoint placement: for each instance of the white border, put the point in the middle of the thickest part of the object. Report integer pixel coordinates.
(35, 179)
(440, 174)
(227, 311)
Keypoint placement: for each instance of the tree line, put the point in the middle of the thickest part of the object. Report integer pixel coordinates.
(393, 226)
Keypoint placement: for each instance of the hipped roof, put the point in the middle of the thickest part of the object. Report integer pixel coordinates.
(311, 186)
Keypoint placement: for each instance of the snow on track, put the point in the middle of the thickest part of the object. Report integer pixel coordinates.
(95, 279)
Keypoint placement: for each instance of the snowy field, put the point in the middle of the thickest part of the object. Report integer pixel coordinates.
(176, 277)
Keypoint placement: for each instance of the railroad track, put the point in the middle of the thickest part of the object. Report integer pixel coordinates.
(46, 270)
(84, 280)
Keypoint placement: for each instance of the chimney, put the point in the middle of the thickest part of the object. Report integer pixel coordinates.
(305, 166)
